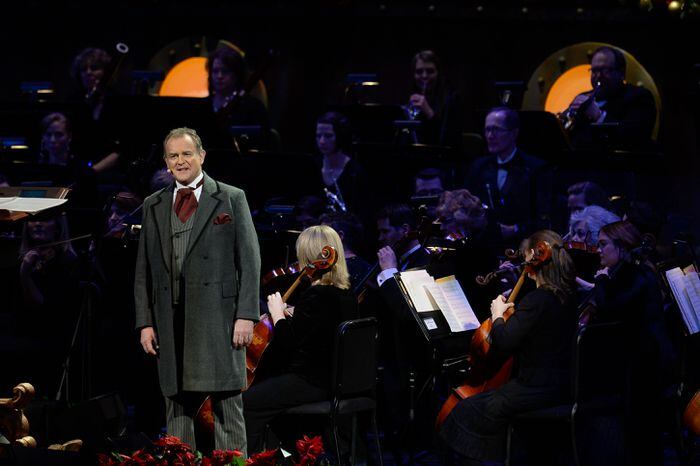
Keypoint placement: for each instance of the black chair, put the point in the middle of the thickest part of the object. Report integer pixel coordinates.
(353, 381)
(597, 385)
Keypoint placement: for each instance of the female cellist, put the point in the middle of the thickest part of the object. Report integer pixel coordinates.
(538, 335)
(307, 339)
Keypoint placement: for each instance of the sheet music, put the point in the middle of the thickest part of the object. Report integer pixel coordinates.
(442, 303)
(30, 205)
(458, 303)
(687, 294)
(414, 281)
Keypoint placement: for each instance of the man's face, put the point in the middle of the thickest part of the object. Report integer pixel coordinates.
(183, 160)
(425, 74)
(389, 235)
(428, 187)
(603, 71)
(499, 139)
(576, 201)
(222, 79)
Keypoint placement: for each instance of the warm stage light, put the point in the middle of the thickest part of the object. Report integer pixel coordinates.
(186, 79)
(674, 6)
(570, 84)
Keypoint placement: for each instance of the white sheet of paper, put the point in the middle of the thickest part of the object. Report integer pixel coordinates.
(414, 281)
(30, 205)
(440, 302)
(679, 284)
(430, 323)
(458, 302)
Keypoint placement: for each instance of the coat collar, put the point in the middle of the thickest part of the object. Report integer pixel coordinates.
(162, 210)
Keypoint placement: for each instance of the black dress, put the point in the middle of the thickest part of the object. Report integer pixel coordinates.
(307, 339)
(539, 335)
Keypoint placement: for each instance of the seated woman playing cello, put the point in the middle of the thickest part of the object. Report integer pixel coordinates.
(538, 335)
(306, 339)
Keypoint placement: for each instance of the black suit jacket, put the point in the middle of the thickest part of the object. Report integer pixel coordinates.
(633, 110)
(525, 199)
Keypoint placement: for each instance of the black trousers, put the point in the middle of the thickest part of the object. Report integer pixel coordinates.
(267, 399)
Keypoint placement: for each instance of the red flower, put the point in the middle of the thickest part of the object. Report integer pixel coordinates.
(265, 458)
(310, 447)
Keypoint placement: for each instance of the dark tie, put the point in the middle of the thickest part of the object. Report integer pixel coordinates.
(186, 202)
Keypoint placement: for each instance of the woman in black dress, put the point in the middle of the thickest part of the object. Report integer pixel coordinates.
(538, 335)
(306, 339)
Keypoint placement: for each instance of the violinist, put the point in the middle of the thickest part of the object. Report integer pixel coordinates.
(538, 335)
(307, 338)
(49, 284)
(627, 290)
(463, 216)
(631, 108)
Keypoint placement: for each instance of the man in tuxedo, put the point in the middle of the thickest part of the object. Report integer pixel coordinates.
(196, 292)
(515, 186)
(629, 110)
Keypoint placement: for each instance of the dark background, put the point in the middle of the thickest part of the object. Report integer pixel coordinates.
(320, 42)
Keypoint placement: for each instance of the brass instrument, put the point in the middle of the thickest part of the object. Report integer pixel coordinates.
(569, 117)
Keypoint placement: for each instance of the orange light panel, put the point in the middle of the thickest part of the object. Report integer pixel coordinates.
(570, 84)
(186, 79)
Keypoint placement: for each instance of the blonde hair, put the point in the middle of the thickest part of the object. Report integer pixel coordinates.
(309, 245)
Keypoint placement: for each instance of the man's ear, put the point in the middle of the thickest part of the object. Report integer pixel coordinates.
(203, 154)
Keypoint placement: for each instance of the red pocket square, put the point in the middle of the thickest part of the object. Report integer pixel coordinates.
(222, 219)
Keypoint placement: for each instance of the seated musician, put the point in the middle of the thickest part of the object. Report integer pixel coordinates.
(627, 290)
(349, 228)
(538, 335)
(631, 108)
(67, 169)
(433, 103)
(226, 75)
(582, 240)
(513, 184)
(343, 179)
(463, 219)
(581, 195)
(90, 72)
(307, 338)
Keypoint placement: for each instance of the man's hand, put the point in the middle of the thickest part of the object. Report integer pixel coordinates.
(148, 341)
(592, 111)
(242, 333)
(499, 307)
(387, 258)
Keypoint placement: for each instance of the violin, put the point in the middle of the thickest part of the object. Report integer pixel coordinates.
(290, 269)
(487, 373)
(580, 246)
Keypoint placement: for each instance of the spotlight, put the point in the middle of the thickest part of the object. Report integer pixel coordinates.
(674, 6)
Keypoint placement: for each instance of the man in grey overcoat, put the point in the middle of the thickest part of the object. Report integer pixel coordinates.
(196, 291)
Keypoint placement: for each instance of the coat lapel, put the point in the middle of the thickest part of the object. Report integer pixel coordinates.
(208, 202)
(161, 213)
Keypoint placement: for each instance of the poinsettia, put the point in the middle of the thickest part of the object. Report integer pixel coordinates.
(265, 458)
(309, 450)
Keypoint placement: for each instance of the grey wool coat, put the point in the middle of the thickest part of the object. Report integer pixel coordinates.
(221, 274)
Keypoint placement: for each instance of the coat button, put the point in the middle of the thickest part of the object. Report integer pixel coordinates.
(205, 257)
(206, 284)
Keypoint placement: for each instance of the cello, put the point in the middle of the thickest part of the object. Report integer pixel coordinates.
(486, 372)
(263, 332)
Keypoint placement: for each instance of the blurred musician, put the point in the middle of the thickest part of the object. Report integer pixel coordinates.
(582, 241)
(614, 101)
(585, 193)
(349, 228)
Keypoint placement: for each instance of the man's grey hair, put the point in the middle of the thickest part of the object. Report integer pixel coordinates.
(180, 132)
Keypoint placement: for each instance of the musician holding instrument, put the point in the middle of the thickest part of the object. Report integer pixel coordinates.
(627, 290)
(630, 108)
(538, 335)
(305, 335)
(196, 292)
(94, 72)
(515, 185)
(432, 103)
